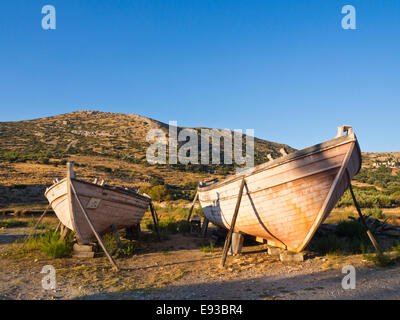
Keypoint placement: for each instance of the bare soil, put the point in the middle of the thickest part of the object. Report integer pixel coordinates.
(177, 269)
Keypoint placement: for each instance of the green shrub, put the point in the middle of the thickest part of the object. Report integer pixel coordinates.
(329, 244)
(395, 197)
(381, 260)
(169, 225)
(156, 181)
(375, 213)
(355, 231)
(396, 248)
(157, 193)
(13, 223)
(351, 229)
(183, 226)
(51, 244)
(358, 245)
(208, 248)
(129, 248)
(110, 242)
(368, 197)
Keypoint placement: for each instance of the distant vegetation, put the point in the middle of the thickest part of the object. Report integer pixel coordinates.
(387, 196)
(383, 177)
(53, 140)
(21, 157)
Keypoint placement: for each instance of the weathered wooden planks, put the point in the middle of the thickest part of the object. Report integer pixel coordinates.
(104, 206)
(285, 202)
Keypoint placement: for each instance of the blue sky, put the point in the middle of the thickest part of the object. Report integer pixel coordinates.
(284, 68)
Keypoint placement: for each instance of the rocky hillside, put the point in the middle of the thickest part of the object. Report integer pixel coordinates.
(110, 146)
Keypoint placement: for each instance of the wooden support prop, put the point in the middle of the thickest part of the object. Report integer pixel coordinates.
(155, 219)
(369, 233)
(156, 215)
(204, 227)
(193, 203)
(115, 230)
(64, 233)
(91, 224)
(58, 227)
(235, 214)
(36, 225)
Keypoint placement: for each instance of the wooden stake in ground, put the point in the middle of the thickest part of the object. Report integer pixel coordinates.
(369, 233)
(155, 219)
(235, 214)
(71, 186)
(58, 227)
(64, 232)
(192, 207)
(36, 225)
(204, 227)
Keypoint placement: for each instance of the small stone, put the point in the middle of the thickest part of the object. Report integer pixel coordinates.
(274, 251)
(288, 256)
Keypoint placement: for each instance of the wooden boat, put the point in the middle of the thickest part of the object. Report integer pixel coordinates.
(106, 206)
(285, 200)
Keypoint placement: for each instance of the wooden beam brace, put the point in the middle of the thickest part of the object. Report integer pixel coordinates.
(93, 229)
(204, 227)
(155, 220)
(193, 204)
(369, 233)
(232, 228)
(36, 225)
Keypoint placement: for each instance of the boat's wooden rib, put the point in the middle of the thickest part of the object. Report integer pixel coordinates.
(105, 206)
(285, 200)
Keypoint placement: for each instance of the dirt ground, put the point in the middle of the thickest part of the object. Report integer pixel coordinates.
(177, 269)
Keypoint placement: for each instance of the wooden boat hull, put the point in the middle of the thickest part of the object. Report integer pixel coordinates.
(285, 200)
(105, 206)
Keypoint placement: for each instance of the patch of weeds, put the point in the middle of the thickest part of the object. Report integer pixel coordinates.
(381, 260)
(329, 244)
(375, 213)
(51, 244)
(359, 245)
(110, 242)
(129, 248)
(355, 231)
(13, 223)
(208, 248)
(169, 225)
(396, 248)
(351, 229)
(335, 253)
(184, 226)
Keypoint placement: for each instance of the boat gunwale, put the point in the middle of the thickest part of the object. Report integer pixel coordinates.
(320, 147)
(126, 192)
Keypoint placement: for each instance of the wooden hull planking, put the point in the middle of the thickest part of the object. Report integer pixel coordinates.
(103, 205)
(285, 203)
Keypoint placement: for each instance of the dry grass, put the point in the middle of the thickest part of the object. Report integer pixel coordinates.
(392, 215)
(42, 174)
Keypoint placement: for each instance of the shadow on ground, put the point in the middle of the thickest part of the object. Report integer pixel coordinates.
(370, 284)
